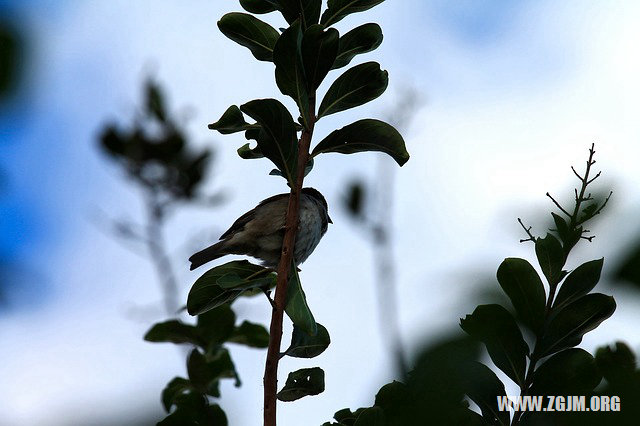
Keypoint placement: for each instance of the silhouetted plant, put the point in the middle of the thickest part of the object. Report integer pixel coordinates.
(303, 54)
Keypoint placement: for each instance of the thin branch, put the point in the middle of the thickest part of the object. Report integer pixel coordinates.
(528, 231)
(558, 205)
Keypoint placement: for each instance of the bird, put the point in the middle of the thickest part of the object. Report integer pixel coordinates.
(259, 232)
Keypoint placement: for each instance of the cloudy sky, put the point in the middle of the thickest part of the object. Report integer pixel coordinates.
(513, 94)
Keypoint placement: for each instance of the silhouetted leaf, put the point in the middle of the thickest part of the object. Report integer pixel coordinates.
(629, 269)
(373, 416)
(356, 86)
(575, 320)
(216, 325)
(259, 6)
(308, 10)
(155, 101)
(174, 388)
(198, 370)
(354, 201)
(277, 138)
(362, 39)
(319, 49)
(250, 154)
(224, 283)
(365, 135)
(307, 169)
(250, 334)
(290, 78)
(550, 257)
(484, 388)
(172, 331)
(301, 383)
(570, 372)
(296, 305)
(495, 327)
(232, 121)
(305, 346)
(579, 282)
(617, 364)
(522, 284)
(258, 36)
(338, 9)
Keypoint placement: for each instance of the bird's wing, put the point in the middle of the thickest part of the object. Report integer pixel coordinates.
(239, 224)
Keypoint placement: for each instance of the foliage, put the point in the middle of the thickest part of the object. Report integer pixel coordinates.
(303, 54)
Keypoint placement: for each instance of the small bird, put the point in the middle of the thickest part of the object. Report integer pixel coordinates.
(259, 232)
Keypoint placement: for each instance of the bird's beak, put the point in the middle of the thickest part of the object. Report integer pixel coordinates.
(329, 219)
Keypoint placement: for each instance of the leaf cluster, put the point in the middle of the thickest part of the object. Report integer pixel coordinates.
(187, 400)
(154, 151)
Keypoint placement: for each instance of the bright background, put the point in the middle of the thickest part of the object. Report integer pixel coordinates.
(514, 93)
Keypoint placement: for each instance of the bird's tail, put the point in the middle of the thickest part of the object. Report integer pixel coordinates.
(207, 255)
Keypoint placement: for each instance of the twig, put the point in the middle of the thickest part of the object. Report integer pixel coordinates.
(528, 231)
(558, 205)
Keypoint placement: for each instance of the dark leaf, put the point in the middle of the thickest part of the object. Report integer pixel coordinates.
(495, 327)
(522, 284)
(338, 9)
(575, 320)
(174, 388)
(354, 201)
(290, 78)
(365, 135)
(250, 334)
(301, 383)
(356, 86)
(277, 139)
(155, 101)
(305, 346)
(484, 388)
(172, 331)
(224, 283)
(198, 370)
(319, 49)
(258, 36)
(296, 305)
(221, 366)
(259, 6)
(579, 282)
(232, 121)
(362, 39)
(550, 257)
(307, 169)
(617, 363)
(570, 372)
(629, 269)
(308, 10)
(216, 325)
(250, 154)
(373, 416)
(561, 226)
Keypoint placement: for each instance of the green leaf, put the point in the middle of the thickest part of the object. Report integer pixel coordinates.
(258, 36)
(301, 383)
(296, 305)
(356, 86)
(373, 416)
(319, 49)
(362, 39)
(522, 284)
(308, 10)
(250, 154)
(198, 370)
(495, 327)
(224, 283)
(221, 366)
(574, 321)
(305, 346)
(277, 139)
(550, 257)
(216, 325)
(172, 331)
(365, 135)
(570, 372)
(155, 101)
(578, 283)
(259, 6)
(175, 387)
(338, 9)
(232, 121)
(250, 334)
(484, 388)
(290, 78)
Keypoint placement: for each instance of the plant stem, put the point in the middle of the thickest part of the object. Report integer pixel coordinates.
(286, 257)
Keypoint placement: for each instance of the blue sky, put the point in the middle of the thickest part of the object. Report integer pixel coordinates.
(514, 92)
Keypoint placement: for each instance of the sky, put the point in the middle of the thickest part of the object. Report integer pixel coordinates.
(513, 94)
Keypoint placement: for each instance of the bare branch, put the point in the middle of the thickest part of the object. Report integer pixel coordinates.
(558, 205)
